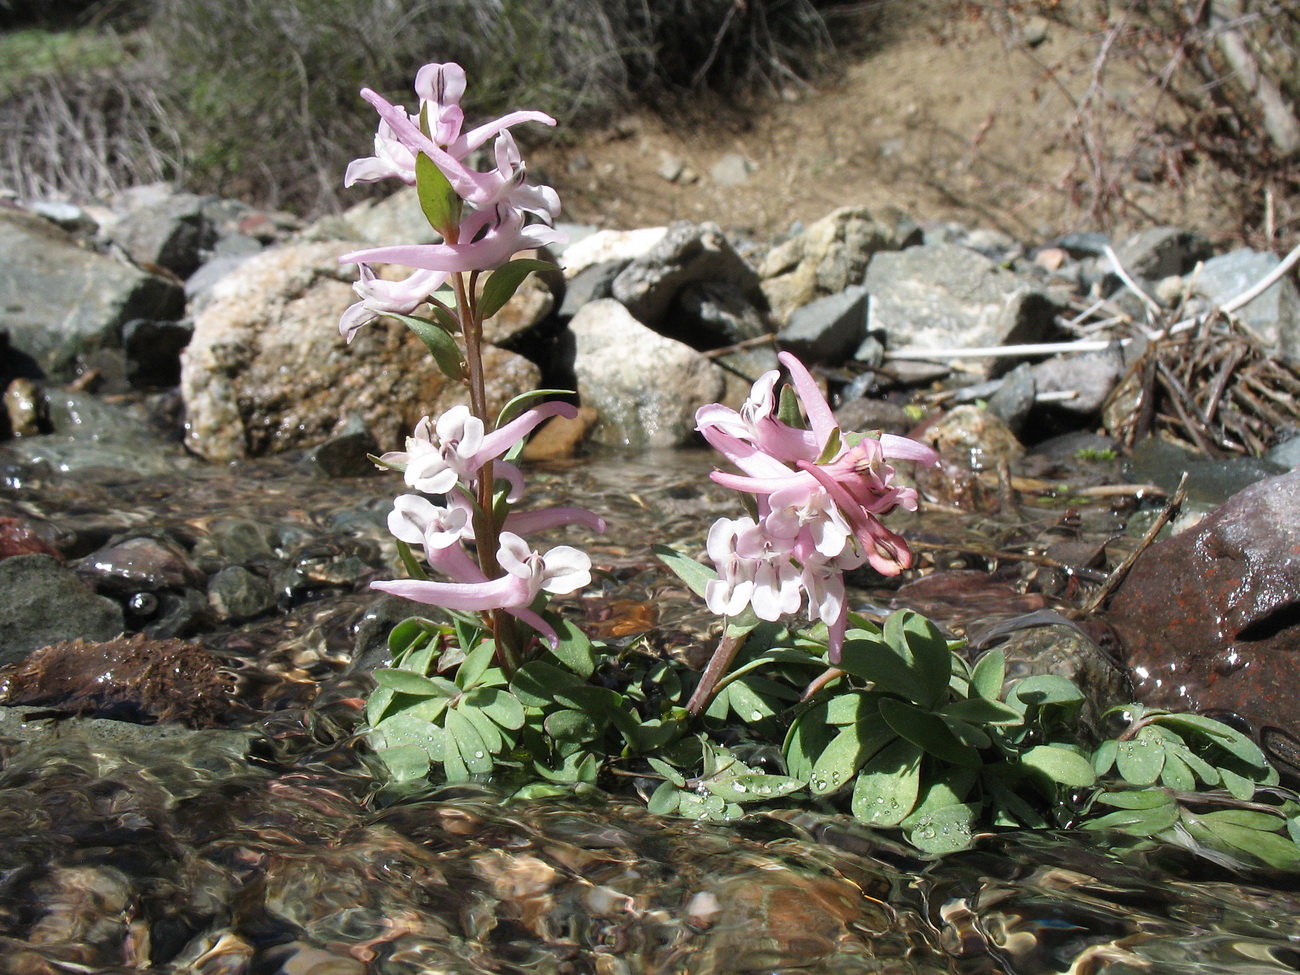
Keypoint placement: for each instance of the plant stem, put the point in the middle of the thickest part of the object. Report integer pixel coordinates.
(487, 531)
(728, 644)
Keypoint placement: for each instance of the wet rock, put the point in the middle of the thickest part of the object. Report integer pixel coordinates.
(560, 437)
(140, 564)
(236, 594)
(943, 295)
(176, 614)
(42, 602)
(827, 330)
(62, 301)
(713, 314)
(345, 454)
(132, 679)
(1158, 252)
(1089, 376)
(1044, 642)
(825, 259)
(19, 538)
(267, 370)
(24, 409)
(1274, 317)
(174, 233)
(865, 413)
(1210, 482)
(977, 438)
(1014, 399)
(1286, 454)
(153, 352)
(1210, 619)
(646, 388)
(590, 284)
(234, 541)
(687, 253)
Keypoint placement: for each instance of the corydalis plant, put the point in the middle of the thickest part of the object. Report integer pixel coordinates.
(818, 496)
(462, 518)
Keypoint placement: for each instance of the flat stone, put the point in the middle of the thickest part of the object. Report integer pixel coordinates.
(43, 602)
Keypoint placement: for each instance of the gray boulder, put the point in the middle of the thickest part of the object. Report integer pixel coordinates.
(829, 329)
(688, 253)
(59, 301)
(1158, 252)
(43, 602)
(267, 370)
(645, 387)
(825, 259)
(1274, 317)
(174, 233)
(943, 295)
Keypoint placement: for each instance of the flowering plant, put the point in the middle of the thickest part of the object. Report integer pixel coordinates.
(890, 716)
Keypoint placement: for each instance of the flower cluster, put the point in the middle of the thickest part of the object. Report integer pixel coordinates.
(445, 459)
(483, 217)
(819, 497)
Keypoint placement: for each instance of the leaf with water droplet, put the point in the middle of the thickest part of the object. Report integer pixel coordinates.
(943, 830)
(1139, 760)
(846, 753)
(888, 785)
(1062, 765)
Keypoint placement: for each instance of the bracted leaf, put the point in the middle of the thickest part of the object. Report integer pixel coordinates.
(841, 759)
(695, 574)
(438, 201)
(668, 772)
(1103, 759)
(440, 343)
(807, 738)
(518, 404)
(493, 740)
(1229, 739)
(536, 683)
(886, 665)
(1043, 690)
(500, 705)
(850, 707)
(415, 571)
(464, 739)
(888, 785)
(404, 729)
(749, 705)
(405, 763)
(1240, 786)
(979, 710)
(505, 281)
(410, 633)
(1176, 774)
(475, 663)
(574, 649)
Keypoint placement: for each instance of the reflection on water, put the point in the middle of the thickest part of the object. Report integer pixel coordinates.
(261, 849)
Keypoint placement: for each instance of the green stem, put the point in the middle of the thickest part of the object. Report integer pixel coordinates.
(487, 532)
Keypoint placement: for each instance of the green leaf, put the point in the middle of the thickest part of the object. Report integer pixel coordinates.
(1241, 787)
(501, 706)
(664, 801)
(1229, 739)
(574, 650)
(406, 682)
(517, 404)
(850, 707)
(1259, 841)
(668, 772)
(695, 574)
(409, 633)
(404, 729)
(463, 738)
(943, 830)
(989, 674)
(493, 741)
(475, 663)
(595, 701)
(1140, 759)
(413, 569)
(571, 726)
(753, 787)
(405, 763)
(1061, 765)
(927, 731)
(980, 710)
(1042, 690)
(537, 683)
(1103, 759)
(1136, 799)
(505, 281)
(1176, 774)
(438, 200)
(889, 668)
(1138, 822)
(440, 343)
(842, 758)
(888, 785)
(808, 737)
(931, 658)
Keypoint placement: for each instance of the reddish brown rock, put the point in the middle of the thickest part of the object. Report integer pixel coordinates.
(1210, 619)
(134, 679)
(17, 539)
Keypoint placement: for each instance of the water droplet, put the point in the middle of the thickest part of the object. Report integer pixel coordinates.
(880, 800)
(478, 754)
(738, 787)
(755, 715)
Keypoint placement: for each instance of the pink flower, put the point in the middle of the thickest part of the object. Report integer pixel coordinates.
(817, 517)
(528, 573)
(380, 297)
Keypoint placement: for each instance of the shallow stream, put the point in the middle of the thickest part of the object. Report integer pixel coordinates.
(260, 848)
